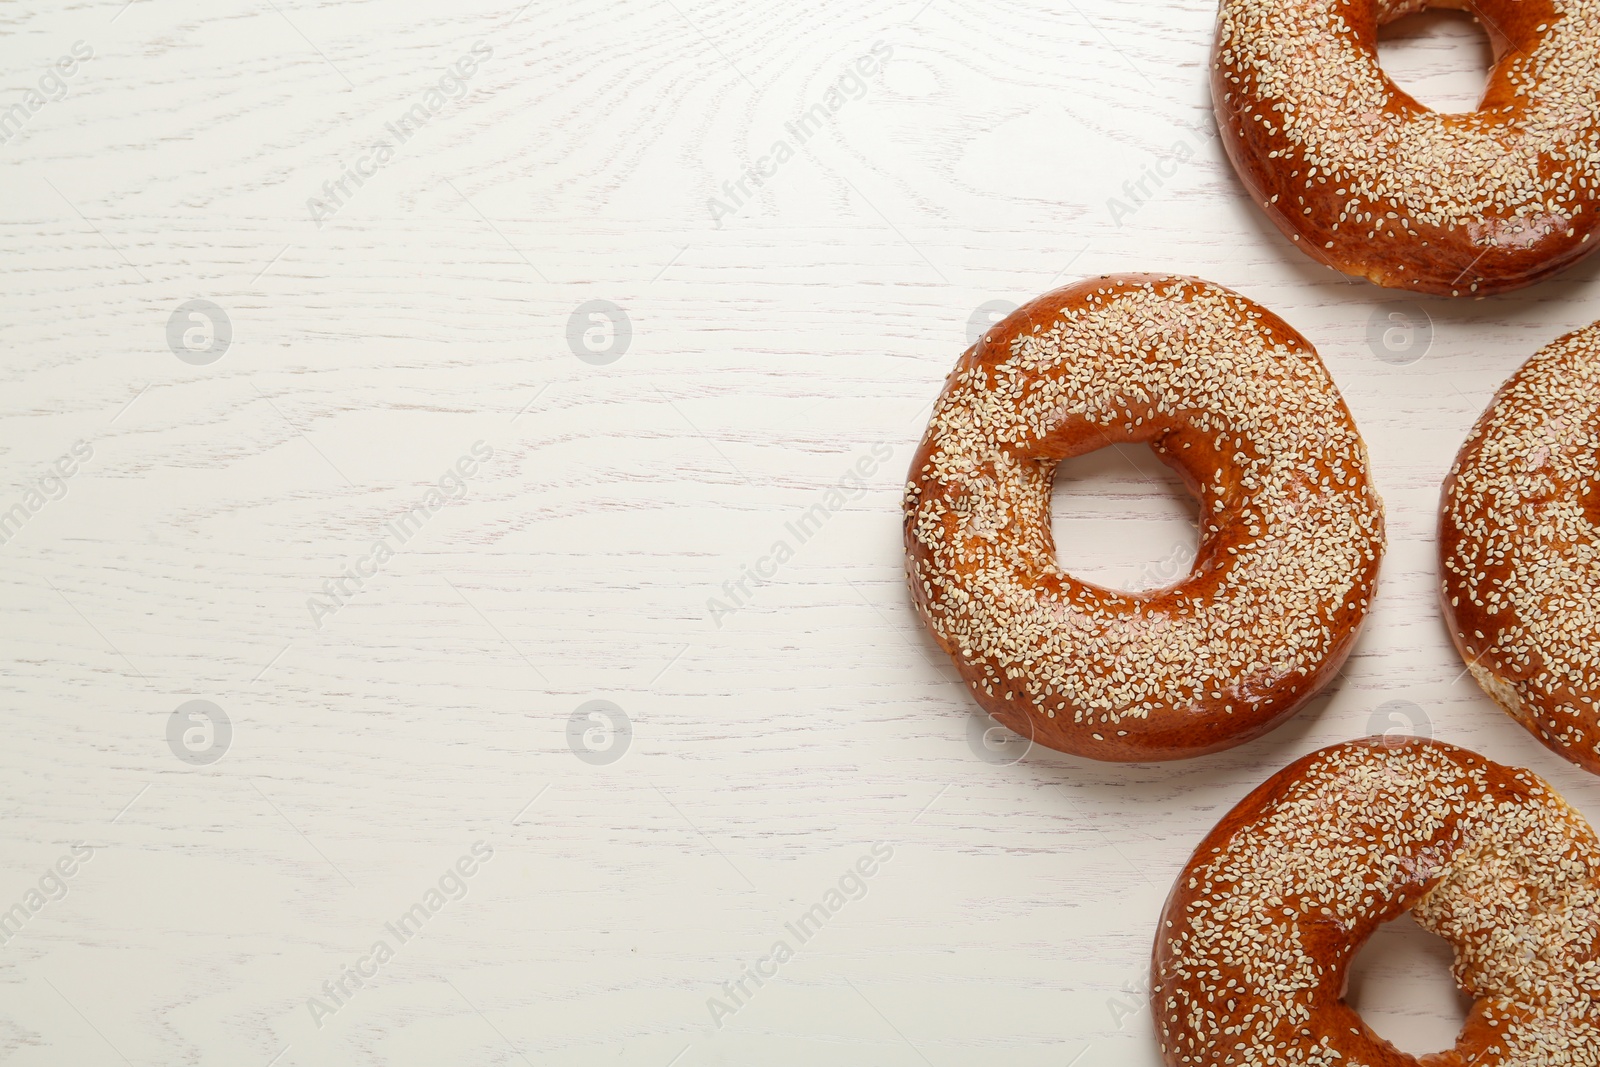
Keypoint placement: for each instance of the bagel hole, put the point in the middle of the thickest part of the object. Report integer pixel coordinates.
(1122, 519)
(1442, 58)
(1400, 984)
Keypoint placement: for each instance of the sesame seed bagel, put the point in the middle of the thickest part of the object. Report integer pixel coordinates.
(1519, 547)
(1252, 958)
(1291, 531)
(1363, 177)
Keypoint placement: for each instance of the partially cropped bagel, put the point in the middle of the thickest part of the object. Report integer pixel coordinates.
(1291, 530)
(1519, 547)
(1254, 949)
(1361, 176)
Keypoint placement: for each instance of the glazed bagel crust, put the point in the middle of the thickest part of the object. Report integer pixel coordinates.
(1361, 176)
(1519, 547)
(1290, 528)
(1253, 953)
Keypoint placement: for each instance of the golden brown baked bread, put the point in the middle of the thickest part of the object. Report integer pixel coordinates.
(1519, 548)
(1253, 952)
(1291, 531)
(1361, 176)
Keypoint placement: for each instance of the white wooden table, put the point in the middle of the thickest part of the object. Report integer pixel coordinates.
(266, 514)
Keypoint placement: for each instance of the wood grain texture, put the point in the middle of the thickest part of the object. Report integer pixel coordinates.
(768, 353)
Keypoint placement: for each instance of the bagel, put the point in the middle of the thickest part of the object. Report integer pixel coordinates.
(1519, 547)
(1358, 174)
(1291, 530)
(1253, 953)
